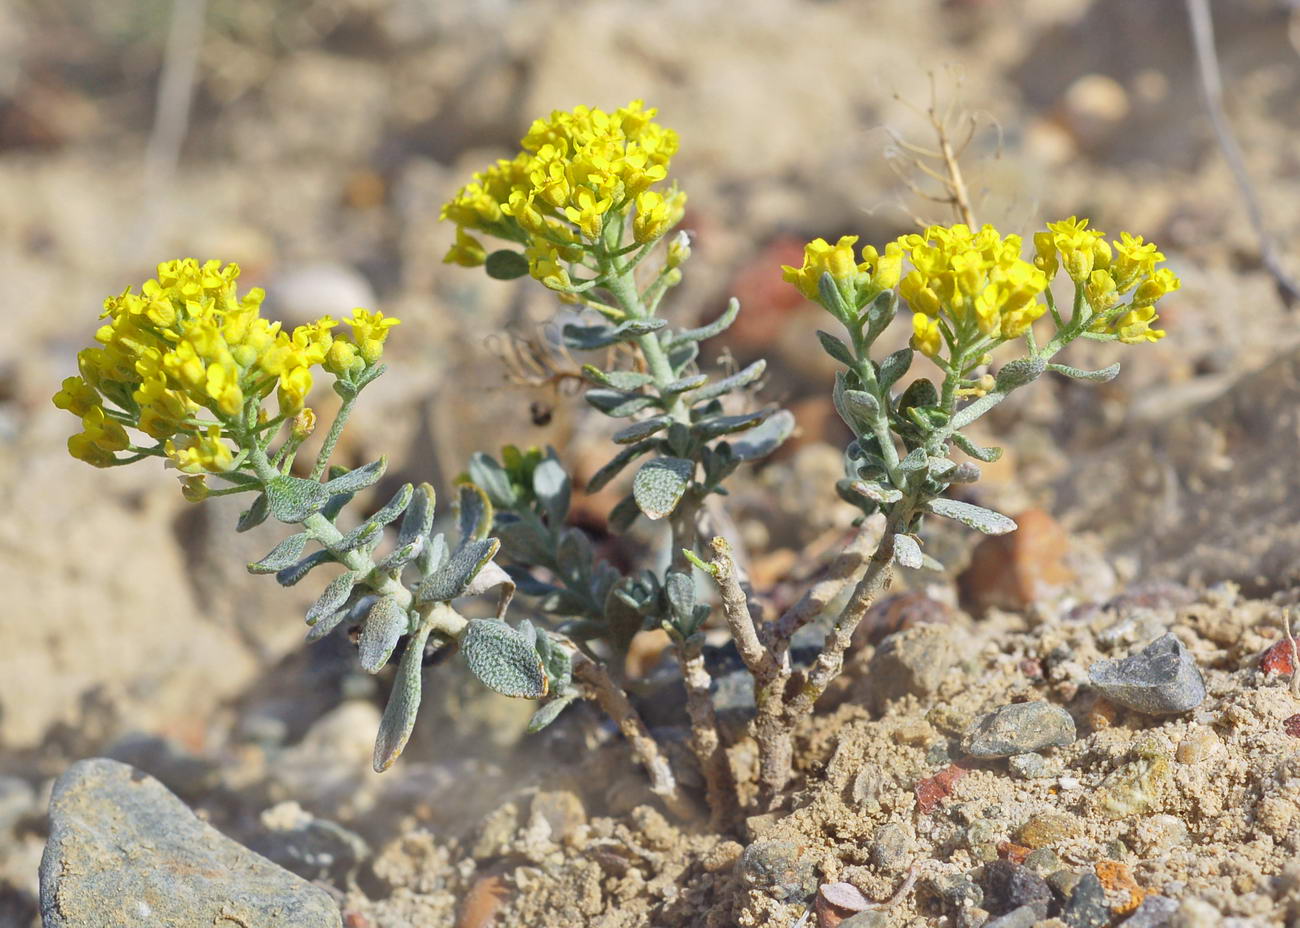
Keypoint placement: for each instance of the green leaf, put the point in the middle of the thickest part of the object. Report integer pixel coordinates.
(681, 355)
(972, 516)
(291, 575)
(526, 540)
(622, 516)
(1019, 372)
(965, 472)
(685, 384)
(454, 577)
(828, 294)
(433, 557)
(642, 429)
(876, 492)
(659, 485)
(492, 477)
(836, 348)
(987, 455)
(330, 621)
(591, 337)
(503, 660)
(389, 511)
(366, 535)
(880, 313)
(615, 465)
(915, 461)
(281, 556)
(254, 515)
(403, 704)
(385, 623)
(549, 712)
(553, 488)
(907, 552)
(616, 380)
(616, 404)
(894, 367)
(339, 589)
(417, 521)
(293, 499)
(736, 381)
(506, 265)
(401, 555)
(728, 425)
(762, 440)
(356, 480)
(716, 327)
(1105, 375)
(473, 512)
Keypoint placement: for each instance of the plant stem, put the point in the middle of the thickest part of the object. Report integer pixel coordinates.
(332, 439)
(706, 741)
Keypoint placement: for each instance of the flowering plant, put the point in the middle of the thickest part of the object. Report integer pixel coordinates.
(587, 209)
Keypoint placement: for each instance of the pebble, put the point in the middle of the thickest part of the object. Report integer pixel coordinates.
(1278, 659)
(1197, 746)
(314, 848)
(1034, 766)
(1161, 679)
(1159, 834)
(1009, 886)
(870, 919)
(1154, 912)
(123, 851)
(1064, 881)
(1133, 788)
(1023, 917)
(1020, 728)
(1043, 861)
(957, 890)
(563, 812)
(1015, 570)
(913, 662)
(779, 867)
(1048, 828)
(1196, 913)
(1291, 725)
(891, 850)
(1087, 906)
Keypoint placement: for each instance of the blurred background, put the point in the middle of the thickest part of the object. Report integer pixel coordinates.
(313, 141)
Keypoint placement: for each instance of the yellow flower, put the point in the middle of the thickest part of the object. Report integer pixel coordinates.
(588, 212)
(820, 257)
(105, 433)
(919, 295)
(926, 336)
(291, 391)
(77, 396)
(1161, 282)
(369, 332)
(343, 358)
(1076, 244)
(651, 216)
(195, 489)
(197, 454)
(1134, 327)
(304, 424)
(1100, 291)
(467, 250)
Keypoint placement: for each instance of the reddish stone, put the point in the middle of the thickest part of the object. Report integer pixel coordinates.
(1016, 853)
(1012, 571)
(1291, 725)
(355, 920)
(1278, 659)
(1032, 668)
(897, 612)
(933, 790)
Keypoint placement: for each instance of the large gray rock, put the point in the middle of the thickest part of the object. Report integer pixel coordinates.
(1161, 679)
(125, 853)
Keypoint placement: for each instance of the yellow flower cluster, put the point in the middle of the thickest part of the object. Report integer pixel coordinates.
(189, 342)
(858, 282)
(1107, 271)
(578, 171)
(973, 281)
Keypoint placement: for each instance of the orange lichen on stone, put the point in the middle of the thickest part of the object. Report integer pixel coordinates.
(1116, 877)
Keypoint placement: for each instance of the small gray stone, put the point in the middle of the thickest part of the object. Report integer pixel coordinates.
(1161, 679)
(1019, 728)
(1009, 886)
(1043, 861)
(868, 919)
(1064, 882)
(1034, 766)
(124, 852)
(314, 848)
(1154, 912)
(1023, 917)
(892, 848)
(912, 662)
(1087, 906)
(780, 868)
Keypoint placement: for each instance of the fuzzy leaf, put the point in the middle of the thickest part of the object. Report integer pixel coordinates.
(417, 521)
(454, 577)
(433, 557)
(880, 313)
(291, 575)
(339, 589)
(987, 455)
(915, 461)
(254, 515)
(591, 337)
(366, 535)
(401, 555)
(716, 327)
(492, 477)
(736, 381)
(894, 367)
(727, 425)
(876, 492)
(505, 265)
(685, 384)
(829, 296)
(639, 430)
(548, 712)
(1105, 375)
(281, 556)
(965, 472)
(622, 516)
(616, 380)
(976, 517)
(490, 578)
(503, 659)
(357, 601)
(374, 524)
(404, 702)
(907, 552)
(356, 480)
(473, 512)
(616, 404)
(762, 440)
(659, 485)
(836, 348)
(385, 623)
(1019, 372)
(293, 499)
(681, 354)
(615, 465)
(526, 540)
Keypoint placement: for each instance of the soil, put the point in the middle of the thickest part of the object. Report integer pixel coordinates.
(323, 136)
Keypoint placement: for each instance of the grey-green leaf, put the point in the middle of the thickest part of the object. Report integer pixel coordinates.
(616, 404)
(659, 485)
(454, 577)
(1019, 372)
(616, 380)
(403, 704)
(254, 515)
(836, 348)
(907, 552)
(980, 453)
(727, 425)
(385, 623)
(694, 382)
(281, 556)
(293, 499)
(473, 512)
(615, 465)
(1104, 375)
(492, 477)
(553, 488)
(876, 492)
(356, 480)
(894, 367)
(972, 516)
(716, 327)
(591, 337)
(549, 712)
(334, 596)
(762, 440)
(401, 555)
(916, 460)
(503, 659)
(417, 521)
(741, 378)
(623, 514)
(505, 265)
(830, 297)
(292, 574)
(639, 430)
